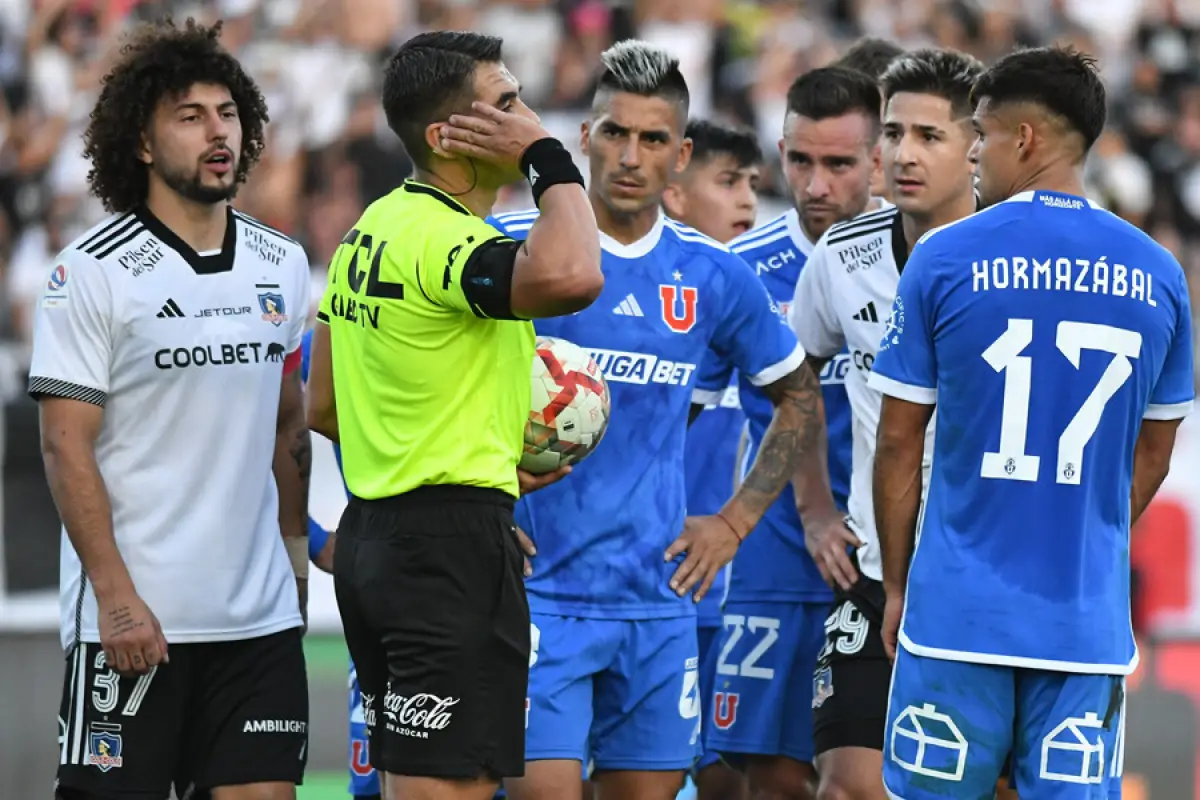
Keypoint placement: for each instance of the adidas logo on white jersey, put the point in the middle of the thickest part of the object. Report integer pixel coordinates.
(629, 307)
(867, 313)
(170, 310)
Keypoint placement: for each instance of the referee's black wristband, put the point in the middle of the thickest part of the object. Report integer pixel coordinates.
(547, 163)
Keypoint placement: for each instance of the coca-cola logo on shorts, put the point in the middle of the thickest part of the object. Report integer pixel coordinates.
(424, 710)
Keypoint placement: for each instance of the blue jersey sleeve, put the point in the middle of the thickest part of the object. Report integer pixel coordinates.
(906, 364)
(751, 336)
(712, 378)
(515, 223)
(1176, 388)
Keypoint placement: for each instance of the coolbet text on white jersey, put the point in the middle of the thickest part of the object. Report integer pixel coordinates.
(185, 352)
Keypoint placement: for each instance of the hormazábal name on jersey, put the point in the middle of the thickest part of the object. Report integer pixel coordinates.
(1063, 275)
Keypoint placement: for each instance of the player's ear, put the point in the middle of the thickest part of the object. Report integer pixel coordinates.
(782, 152)
(685, 156)
(144, 151)
(877, 158)
(1024, 139)
(675, 201)
(433, 138)
(585, 133)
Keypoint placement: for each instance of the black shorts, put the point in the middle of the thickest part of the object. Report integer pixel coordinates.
(219, 714)
(431, 590)
(853, 674)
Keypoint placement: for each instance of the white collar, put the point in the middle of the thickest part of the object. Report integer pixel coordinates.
(635, 249)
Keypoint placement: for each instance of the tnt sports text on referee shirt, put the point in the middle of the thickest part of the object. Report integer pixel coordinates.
(455, 413)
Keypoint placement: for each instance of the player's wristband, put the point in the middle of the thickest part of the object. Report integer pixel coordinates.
(547, 163)
(740, 538)
(297, 550)
(317, 537)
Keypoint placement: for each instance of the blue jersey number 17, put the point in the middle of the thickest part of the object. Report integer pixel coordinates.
(1011, 462)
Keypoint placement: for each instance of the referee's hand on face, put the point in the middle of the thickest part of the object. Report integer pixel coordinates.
(130, 635)
(492, 135)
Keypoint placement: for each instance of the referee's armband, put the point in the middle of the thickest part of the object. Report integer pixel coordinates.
(487, 278)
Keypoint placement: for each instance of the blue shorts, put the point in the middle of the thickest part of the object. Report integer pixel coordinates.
(763, 680)
(364, 781)
(624, 692)
(708, 637)
(952, 725)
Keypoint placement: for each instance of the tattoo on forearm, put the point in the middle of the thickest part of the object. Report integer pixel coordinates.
(301, 451)
(791, 437)
(122, 620)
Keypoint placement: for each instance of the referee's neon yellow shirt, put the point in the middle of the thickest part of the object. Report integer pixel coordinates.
(429, 391)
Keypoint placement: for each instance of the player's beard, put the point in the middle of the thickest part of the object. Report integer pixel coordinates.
(191, 186)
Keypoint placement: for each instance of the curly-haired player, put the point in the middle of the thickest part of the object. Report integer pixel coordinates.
(166, 355)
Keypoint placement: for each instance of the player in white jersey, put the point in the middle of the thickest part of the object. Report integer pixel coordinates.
(843, 299)
(165, 360)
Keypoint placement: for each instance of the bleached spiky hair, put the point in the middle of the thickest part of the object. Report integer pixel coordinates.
(639, 67)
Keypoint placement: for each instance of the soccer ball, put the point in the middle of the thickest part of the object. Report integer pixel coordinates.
(569, 407)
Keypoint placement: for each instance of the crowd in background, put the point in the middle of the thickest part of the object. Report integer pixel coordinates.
(330, 153)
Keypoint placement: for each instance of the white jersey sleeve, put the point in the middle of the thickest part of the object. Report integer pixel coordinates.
(812, 314)
(302, 283)
(73, 331)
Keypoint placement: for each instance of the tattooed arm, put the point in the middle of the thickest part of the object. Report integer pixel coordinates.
(796, 431)
(292, 466)
(711, 542)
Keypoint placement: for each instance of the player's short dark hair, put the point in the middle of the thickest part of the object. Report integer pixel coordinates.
(1062, 80)
(870, 55)
(430, 76)
(636, 67)
(944, 73)
(834, 92)
(711, 139)
(160, 60)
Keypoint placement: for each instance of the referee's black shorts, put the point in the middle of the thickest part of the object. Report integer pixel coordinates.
(431, 591)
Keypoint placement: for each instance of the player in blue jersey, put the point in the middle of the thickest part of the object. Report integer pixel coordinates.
(618, 568)
(778, 597)
(1054, 340)
(716, 195)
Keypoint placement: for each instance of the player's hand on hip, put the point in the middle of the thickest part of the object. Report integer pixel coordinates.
(893, 610)
(530, 482)
(827, 541)
(492, 135)
(130, 635)
(527, 548)
(710, 544)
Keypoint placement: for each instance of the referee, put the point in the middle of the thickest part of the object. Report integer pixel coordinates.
(427, 343)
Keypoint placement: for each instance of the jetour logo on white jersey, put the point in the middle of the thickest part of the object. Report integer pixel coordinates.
(641, 368)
